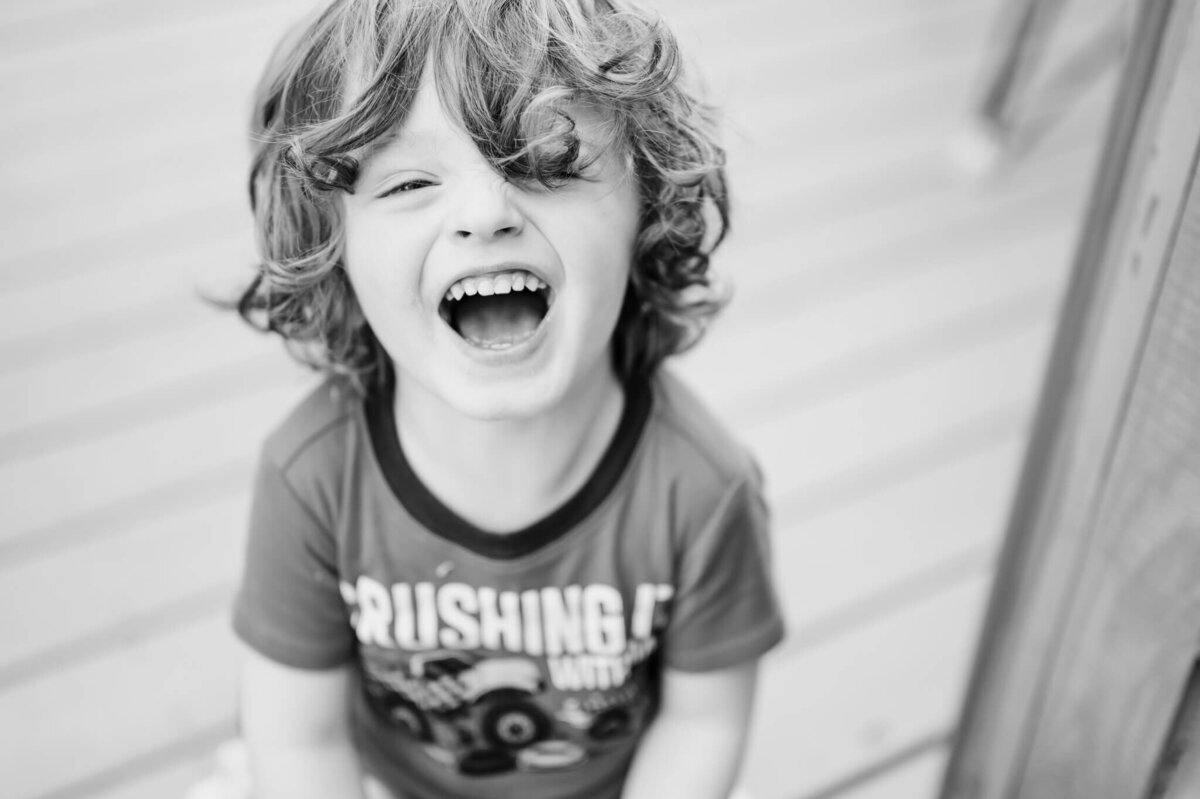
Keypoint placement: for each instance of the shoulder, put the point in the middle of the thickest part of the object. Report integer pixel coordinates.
(709, 480)
(314, 431)
(691, 436)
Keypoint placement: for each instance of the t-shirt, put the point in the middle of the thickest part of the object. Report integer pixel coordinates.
(517, 665)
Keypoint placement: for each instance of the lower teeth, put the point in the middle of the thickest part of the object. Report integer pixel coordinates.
(498, 344)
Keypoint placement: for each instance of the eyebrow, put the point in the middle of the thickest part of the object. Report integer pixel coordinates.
(377, 145)
(376, 152)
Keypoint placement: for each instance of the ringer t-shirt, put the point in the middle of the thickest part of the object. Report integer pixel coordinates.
(517, 665)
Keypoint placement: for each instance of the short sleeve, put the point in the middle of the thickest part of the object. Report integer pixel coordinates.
(289, 606)
(726, 611)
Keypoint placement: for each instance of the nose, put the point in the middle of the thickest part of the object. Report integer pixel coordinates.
(486, 209)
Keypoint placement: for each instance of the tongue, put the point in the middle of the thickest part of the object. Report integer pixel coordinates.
(499, 319)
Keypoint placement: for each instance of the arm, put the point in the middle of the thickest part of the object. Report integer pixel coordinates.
(702, 721)
(295, 725)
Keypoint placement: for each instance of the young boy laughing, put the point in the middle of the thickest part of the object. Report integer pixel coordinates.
(501, 551)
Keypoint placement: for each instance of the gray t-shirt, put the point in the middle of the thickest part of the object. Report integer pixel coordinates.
(519, 665)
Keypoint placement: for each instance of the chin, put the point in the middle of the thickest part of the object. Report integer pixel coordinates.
(506, 399)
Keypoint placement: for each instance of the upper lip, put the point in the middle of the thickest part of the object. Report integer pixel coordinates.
(491, 269)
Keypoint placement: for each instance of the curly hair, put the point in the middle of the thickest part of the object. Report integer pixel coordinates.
(505, 70)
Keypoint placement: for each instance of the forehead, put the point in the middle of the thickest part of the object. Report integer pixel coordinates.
(418, 128)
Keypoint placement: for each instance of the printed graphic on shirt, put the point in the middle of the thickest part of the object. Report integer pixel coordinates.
(491, 681)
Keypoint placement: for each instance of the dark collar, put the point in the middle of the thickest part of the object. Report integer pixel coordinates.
(440, 520)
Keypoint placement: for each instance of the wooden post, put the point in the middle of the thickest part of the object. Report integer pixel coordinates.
(1024, 43)
(1086, 671)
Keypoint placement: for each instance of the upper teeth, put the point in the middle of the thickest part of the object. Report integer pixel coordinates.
(496, 283)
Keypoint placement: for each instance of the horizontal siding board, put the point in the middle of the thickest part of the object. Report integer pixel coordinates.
(833, 563)
(145, 33)
(198, 131)
(111, 585)
(100, 294)
(929, 223)
(113, 23)
(163, 499)
(165, 402)
(871, 691)
(94, 335)
(147, 241)
(149, 193)
(160, 689)
(798, 349)
(917, 778)
(168, 777)
(38, 397)
(72, 482)
(862, 189)
(816, 446)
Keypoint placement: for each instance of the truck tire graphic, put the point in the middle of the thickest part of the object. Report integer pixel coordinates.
(511, 720)
(413, 720)
(482, 762)
(611, 724)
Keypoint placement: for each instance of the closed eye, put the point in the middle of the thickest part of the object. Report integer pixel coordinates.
(405, 187)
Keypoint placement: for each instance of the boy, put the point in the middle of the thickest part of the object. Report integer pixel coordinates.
(500, 552)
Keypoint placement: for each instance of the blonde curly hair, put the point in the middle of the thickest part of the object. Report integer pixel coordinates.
(505, 70)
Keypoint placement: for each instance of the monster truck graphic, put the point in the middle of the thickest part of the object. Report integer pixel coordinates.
(478, 715)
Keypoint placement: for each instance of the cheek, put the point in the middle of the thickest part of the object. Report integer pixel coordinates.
(621, 243)
(383, 300)
(614, 231)
(607, 283)
(379, 261)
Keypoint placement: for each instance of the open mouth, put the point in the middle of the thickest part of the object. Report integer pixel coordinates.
(498, 310)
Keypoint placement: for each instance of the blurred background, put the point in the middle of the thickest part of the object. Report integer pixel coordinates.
(896, 290)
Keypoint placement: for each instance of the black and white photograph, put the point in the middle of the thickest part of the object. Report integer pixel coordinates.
(600, 399)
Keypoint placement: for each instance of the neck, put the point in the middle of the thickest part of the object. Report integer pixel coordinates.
(503, 475)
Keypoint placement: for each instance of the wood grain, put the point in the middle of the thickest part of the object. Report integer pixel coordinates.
(1086, 643)
(1130, 641)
